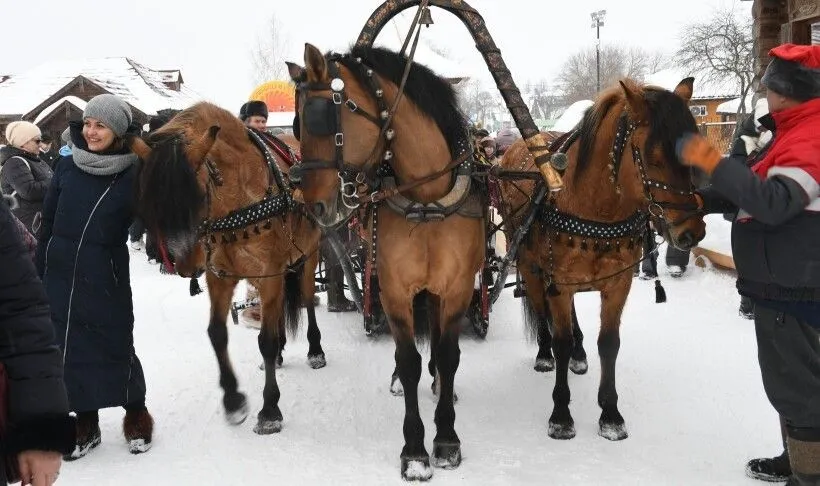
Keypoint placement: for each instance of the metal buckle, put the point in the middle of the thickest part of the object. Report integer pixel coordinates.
(351, 105)
(339, 139)
(337, 98)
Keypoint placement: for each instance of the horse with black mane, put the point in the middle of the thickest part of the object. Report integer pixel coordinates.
(622, 174)
(216, 196)
(424, 220)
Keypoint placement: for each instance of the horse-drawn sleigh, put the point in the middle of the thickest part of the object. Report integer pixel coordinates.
(421, 209)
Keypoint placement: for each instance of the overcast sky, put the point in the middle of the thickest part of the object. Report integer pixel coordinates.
(211, 41)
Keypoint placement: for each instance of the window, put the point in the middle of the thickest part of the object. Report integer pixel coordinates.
(698, 110)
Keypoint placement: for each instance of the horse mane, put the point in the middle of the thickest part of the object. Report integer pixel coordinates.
(432, 94)
(199, 117)
(669, 119)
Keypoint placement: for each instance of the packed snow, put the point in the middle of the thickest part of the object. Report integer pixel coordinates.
(688, 381)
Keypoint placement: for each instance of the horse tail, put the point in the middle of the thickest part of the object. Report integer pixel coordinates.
(293, 300)
(421, 315)
(531, 319)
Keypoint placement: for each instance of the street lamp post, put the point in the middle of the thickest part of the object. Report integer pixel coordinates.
(597, 23)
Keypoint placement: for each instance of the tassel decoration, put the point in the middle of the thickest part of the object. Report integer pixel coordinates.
(660, 292)
(194, 287)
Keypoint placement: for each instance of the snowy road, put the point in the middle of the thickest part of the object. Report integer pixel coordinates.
(688, 381)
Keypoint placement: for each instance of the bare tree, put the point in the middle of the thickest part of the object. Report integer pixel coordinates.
(479, 103)
(721, 48)
(578, 77)
(544, 101)
(267, 57)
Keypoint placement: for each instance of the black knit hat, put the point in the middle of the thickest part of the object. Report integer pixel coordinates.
(794, 72)
(253, 108)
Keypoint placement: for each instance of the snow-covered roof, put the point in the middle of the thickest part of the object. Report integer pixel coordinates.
(669, 78)
(731, 106)
(571, 116)
(140, 86)
(79, 103)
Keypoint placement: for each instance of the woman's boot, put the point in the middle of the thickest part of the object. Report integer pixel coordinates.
(88, 434)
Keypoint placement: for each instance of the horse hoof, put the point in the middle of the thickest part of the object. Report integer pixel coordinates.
(236, 410)
(267, 427)
(561, 431)
(543, 365)
(446, 455)
(578, 366)
(317, 361)
(612, 431)
(416, 469)
(395, 387)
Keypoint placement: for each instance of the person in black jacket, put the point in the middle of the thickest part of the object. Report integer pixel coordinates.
(22, 174)
(39, 427)
(776, 245)
(83, 258)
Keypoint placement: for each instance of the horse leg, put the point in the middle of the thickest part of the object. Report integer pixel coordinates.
(234, 402)
(415, 461)
(316, 355)
(538, 315)
(578, 358)
(446, 444)
(271, 293)
(561, 424)
(611, 424)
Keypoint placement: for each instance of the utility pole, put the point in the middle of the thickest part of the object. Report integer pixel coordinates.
(597, 23)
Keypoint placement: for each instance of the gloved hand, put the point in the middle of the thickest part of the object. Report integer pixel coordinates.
(694, 150)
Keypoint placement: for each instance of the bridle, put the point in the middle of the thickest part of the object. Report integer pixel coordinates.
(323, 117)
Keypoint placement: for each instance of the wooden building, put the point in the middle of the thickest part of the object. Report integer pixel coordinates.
(53, 93)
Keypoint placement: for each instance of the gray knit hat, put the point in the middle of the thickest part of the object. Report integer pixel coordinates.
(111, 110)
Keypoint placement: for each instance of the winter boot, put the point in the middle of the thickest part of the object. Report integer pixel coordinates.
(804, 456)
(676, 271)
(770, 469)
(138, 428)
(88, 435)
(336, 300)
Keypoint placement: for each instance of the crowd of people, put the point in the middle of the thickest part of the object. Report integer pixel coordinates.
(64, 231)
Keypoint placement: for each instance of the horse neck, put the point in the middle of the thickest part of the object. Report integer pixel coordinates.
(419, 149)
(592, 194)
(245, 177)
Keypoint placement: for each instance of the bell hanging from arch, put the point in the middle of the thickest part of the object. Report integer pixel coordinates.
(426, 18)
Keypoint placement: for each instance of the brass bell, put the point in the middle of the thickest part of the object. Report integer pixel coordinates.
(426, 18)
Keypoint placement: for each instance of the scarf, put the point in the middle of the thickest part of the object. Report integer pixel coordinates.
(102, 165)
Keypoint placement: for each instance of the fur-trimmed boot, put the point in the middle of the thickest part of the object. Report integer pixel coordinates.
(88, 435)
(138, 428)
(805, 462)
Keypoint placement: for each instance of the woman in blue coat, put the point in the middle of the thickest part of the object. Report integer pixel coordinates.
(83, 259)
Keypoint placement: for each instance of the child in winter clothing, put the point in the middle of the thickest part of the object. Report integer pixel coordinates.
(778, 208)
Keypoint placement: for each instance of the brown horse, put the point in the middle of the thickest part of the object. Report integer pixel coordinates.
(622, 173)
(216, 195)
(425, 259)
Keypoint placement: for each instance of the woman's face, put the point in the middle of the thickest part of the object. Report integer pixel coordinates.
(32, 146)
(98, 136)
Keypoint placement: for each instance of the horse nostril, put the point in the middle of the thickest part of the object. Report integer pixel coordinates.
(686, 239)
(319, 209)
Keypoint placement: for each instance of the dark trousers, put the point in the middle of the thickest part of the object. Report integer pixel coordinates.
(789, 356)
(136, 230)
(677, 257)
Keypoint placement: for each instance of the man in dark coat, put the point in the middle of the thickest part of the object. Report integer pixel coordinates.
(776, 245)
(38, 417)
(23, 174)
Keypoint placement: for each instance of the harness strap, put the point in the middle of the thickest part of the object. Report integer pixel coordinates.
(393, 191)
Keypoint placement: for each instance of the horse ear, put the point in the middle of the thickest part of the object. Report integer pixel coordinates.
(297, 72)
(685, 88)
(205, 143)
(634, 99)
(138, 146)
(315, 64)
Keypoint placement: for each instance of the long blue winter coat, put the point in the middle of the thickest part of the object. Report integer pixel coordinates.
(83, 259)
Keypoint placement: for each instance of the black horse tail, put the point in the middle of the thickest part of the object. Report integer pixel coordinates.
(531, 319)
(421, 315)
(293, 299)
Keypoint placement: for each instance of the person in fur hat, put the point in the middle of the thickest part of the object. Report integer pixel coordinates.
(83, 259)
(254, 114)
(23, 175)
(777, 207)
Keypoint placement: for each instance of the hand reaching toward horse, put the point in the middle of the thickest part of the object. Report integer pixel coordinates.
(695, 150)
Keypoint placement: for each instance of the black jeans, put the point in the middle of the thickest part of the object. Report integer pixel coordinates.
(136, 230)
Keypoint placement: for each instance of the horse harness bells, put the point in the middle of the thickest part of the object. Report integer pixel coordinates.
(323, 117)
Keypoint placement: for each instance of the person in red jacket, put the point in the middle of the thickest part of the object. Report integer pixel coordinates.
(776, 245)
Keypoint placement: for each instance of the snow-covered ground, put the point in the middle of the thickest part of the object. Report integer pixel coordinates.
(688, 382)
